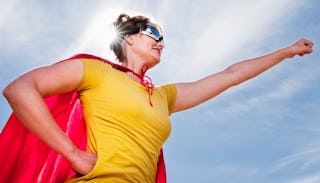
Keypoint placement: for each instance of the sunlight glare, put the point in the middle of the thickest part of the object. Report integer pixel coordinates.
(99, 33)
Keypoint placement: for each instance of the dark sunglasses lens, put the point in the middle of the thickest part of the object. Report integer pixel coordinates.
(154, 31)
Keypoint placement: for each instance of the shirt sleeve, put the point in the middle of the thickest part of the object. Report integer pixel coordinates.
(93, 72)
(171, 94)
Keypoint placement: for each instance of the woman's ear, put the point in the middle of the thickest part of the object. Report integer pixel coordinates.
(129, 39)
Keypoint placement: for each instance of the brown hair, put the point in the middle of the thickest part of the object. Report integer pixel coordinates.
(123, 26)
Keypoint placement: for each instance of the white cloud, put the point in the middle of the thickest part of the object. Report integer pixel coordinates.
(313, 178)
(96, 36)
(305, 162)
(210, 36)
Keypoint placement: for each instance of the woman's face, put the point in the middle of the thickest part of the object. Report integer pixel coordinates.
(149, 44)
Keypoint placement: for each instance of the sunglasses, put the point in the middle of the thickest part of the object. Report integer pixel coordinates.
(152, 32)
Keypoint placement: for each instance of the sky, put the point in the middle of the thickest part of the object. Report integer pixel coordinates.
(265, 130)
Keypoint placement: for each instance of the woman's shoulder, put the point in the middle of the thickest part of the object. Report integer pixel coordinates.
(96, 65)
(91, 61)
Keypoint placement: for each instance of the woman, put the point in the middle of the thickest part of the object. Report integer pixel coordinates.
(127, 119)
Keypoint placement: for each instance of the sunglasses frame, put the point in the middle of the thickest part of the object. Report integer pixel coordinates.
(152, 32)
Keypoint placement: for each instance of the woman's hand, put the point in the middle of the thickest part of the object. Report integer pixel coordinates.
(301, 47)
(82, 162)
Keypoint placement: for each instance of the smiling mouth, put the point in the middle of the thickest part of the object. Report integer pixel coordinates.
(158, 50)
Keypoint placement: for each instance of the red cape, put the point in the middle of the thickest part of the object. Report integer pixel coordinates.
(24, 158)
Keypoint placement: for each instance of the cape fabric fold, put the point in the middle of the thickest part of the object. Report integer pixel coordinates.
(24, 158)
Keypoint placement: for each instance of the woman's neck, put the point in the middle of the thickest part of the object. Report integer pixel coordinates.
(137, 69)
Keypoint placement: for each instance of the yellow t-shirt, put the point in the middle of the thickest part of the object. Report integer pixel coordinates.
(123, 129)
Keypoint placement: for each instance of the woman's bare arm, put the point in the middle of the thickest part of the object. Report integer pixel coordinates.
(25, 96)
(194, 93)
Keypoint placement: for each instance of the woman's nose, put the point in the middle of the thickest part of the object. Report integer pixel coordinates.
(160, 44)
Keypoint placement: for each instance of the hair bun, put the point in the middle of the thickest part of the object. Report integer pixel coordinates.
(125, 25)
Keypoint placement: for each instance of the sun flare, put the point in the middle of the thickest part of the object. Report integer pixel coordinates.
(99, 33)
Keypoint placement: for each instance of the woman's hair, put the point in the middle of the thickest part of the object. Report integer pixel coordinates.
(123, 26)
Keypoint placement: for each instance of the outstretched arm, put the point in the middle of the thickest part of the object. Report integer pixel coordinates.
(25, 95)
(194, 93)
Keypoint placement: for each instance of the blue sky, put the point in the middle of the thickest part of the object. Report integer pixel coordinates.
(265, 130)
